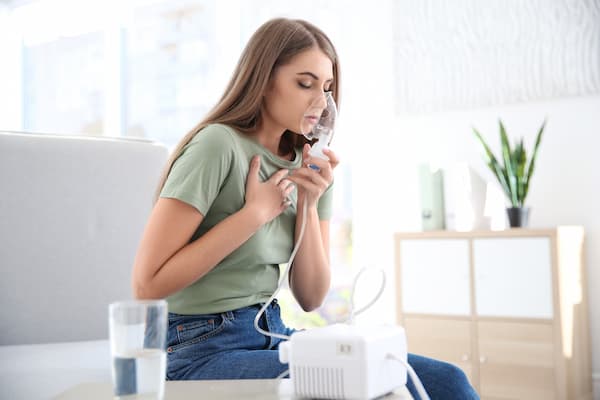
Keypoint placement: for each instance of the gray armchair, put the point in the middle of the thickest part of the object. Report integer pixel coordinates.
(72, 211)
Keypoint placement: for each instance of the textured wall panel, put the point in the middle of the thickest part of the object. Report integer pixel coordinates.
(468, 53)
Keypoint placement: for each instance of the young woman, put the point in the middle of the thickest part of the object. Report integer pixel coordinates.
(229, 212)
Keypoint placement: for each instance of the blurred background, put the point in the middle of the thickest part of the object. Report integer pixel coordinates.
(416, 77)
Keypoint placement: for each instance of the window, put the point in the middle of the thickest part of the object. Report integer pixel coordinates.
(63, 85)
(154, 68)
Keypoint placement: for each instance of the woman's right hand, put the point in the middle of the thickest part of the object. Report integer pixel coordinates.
(270, 198)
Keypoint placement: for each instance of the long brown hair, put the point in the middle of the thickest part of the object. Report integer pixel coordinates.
(274, 44)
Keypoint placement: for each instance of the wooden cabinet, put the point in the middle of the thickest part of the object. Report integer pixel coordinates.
(513, 277)
(509, 308)
(448, 262)
(516, 360)
(445, 339)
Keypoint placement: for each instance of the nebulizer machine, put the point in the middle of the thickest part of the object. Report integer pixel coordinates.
(343, 360)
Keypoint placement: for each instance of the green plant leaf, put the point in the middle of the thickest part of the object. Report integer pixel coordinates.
(493, 164)
(515, 175)
(520, 160)
(531, 167)
(509, 167)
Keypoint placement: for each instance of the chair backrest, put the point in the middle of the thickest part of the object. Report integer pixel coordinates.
(72, 211)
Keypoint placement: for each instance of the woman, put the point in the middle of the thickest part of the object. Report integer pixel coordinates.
(226, 215)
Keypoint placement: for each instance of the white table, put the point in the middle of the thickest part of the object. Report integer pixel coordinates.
(255, 389)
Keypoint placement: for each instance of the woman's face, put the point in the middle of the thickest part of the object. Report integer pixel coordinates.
(295, 97)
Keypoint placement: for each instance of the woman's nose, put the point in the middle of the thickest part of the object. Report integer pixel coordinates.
(321, 101)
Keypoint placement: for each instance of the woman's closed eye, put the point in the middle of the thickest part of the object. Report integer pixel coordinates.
(305, 85)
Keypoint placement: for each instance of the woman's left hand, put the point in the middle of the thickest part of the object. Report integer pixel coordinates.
(311, 182)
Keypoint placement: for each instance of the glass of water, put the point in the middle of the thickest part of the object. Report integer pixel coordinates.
(138, 332)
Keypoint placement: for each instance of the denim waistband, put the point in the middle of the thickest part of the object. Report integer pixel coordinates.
(231, 314)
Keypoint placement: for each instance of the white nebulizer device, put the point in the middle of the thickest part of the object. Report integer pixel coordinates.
(346, 362)
(322, 130)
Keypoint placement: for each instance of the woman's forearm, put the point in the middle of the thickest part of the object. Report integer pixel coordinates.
(197, 258)
(310, 273)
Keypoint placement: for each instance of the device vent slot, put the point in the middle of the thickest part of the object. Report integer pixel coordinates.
(319, 382)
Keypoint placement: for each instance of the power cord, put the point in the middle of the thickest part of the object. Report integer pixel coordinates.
(283, 374)
(420, 389)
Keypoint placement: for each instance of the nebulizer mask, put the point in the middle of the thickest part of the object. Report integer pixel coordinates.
(318, 123)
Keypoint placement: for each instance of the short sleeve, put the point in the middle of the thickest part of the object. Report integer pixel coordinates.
(199, 172)
(325, 204)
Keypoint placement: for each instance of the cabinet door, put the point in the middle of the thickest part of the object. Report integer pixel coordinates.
(443, 339)
(513, 277)
(516, 361)
(434, 276)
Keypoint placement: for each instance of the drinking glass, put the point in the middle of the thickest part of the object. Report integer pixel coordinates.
(138, 331)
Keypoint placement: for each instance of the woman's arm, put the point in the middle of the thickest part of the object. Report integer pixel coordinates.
(166, 262)
(310, 275)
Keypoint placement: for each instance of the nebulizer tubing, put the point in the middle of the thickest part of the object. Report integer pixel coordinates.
(353, 313)
(282, 279)
(323, 132)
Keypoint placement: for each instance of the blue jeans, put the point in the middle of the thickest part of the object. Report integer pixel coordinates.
(226, 346)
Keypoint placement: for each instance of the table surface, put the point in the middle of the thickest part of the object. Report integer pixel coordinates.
(255, 389)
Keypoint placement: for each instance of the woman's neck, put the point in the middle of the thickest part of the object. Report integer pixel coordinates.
(272, 139)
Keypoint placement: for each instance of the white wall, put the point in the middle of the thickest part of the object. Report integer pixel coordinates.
(483, 61)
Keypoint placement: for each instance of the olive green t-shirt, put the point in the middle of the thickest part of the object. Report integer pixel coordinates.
(210, 175)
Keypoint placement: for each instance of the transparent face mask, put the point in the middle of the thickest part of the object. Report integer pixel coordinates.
(318, 123)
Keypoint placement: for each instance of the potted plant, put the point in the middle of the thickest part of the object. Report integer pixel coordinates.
(515, 174)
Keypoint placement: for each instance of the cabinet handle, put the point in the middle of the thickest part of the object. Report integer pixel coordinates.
(464, 357)
(482, 359)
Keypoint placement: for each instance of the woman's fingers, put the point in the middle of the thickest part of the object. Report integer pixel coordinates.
(286, 187)
(318, 162)
(278, 176)
(285, 183)
(270, 197)
(310, 174)
(252, 178)
(273, 195)
(333, 158)
(309, 180)
(323, 167)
